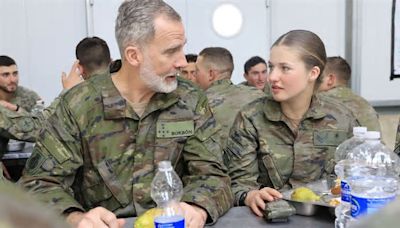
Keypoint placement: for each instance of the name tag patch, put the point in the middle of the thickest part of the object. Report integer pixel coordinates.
(175, 129)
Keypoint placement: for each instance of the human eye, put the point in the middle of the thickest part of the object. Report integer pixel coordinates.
(270, 67)
(285, 68)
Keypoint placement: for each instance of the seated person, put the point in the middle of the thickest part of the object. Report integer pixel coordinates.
(214, 69)
(335, 81)
(13, 97)
(189, 70)
(255, 73)
(95, 160)
(289, 139)
(93, 57)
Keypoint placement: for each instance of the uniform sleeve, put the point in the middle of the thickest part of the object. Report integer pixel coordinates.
(22, 125)
(19, 125)
(50, 171)
(207, 183)
(241, 150)
(368, 117)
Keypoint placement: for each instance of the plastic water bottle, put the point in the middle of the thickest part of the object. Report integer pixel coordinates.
(167, 191)
(375, 172)
(342, 168)
(38, 108)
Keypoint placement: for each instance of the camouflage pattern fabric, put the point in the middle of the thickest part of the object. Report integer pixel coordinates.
(22, 125)
(226, 100)
(397, 145)
(264, 151)
(361, 109)
(25, 98)
(245, 83)
(96, 151)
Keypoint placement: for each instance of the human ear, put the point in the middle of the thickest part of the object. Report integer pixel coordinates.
(315, 73)
(133, 55)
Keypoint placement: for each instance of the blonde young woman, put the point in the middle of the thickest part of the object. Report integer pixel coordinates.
(290, 138)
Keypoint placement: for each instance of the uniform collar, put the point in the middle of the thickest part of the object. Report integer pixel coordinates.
(116, 107)
(273, 112)
(221, 82)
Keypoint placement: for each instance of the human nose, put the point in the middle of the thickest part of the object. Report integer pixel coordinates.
(272, 76)
(181, 61)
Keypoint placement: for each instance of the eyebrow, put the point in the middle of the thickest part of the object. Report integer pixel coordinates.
(175, 48)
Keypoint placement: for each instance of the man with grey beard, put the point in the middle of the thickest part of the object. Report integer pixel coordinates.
(96, 159)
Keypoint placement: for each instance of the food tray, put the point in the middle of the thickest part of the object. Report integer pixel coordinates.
(322, 189)
(310, 208)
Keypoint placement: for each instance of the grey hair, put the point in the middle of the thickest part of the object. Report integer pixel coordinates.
(135, 21)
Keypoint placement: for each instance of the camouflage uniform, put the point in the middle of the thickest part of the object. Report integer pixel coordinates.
(26, 99)
(96, 151)
(361, 109)
(226, 100)
(22, 125)
(397, 145)
(264, 151)
(245, 83)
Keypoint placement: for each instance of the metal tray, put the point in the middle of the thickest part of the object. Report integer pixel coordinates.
(310, 208)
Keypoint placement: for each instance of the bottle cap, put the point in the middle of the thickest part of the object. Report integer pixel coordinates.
(359, 130)
(373, 135)
(164, 166)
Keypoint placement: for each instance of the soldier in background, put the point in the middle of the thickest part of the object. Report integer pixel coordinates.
(189, 70)
(93, 57)
(335, 81)
(214, 69)
(13, 97)
(95, 161)
(255, 73)
(290, 139)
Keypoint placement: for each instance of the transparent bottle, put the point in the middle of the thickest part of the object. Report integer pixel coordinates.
(167, 191)
(343, 166)
(374, 176)
(38, 108)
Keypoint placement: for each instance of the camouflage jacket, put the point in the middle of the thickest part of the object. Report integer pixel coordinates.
(397, 145)
(265, 152)
(96, 151)
(25, 98)
(23, 125)
(361, 109)
(226, 100)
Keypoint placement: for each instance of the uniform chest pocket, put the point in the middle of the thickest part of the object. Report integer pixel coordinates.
(325, 144)
(107, 191)
(329, 137)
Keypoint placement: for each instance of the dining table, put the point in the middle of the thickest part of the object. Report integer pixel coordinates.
(242, 217)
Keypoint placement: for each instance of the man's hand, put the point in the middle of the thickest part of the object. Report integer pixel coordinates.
(97, 217)
(8, 105)
(256, 199)
(73, 78)
(194, 216)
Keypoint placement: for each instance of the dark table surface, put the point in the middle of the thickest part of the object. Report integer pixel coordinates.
(242, 217)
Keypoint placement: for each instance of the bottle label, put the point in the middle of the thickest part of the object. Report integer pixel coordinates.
(175, 221)
(345, 191)
(365, 206)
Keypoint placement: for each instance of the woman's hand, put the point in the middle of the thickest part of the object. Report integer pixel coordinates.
(256, 199)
